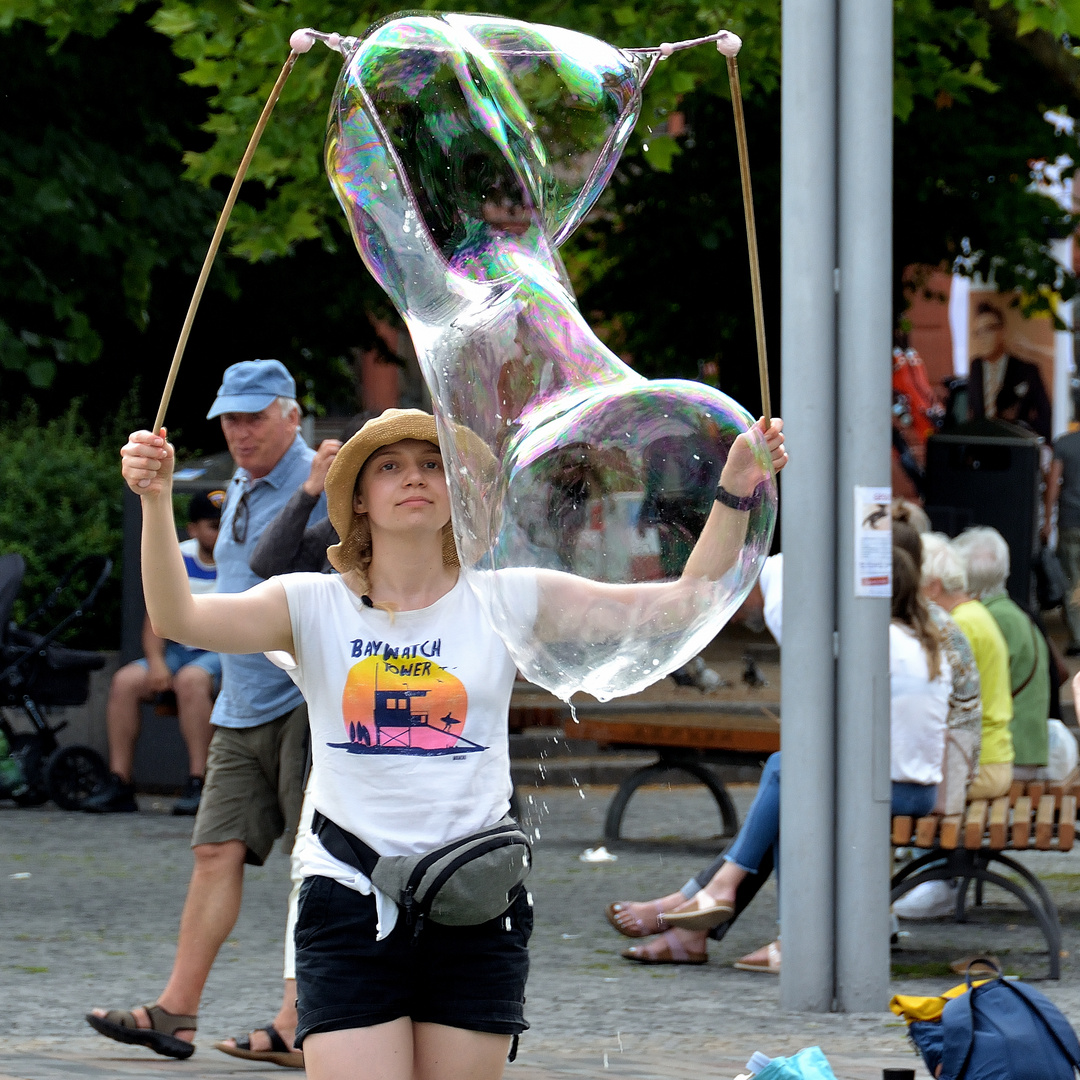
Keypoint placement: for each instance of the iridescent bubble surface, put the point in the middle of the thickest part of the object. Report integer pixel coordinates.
(464, 149)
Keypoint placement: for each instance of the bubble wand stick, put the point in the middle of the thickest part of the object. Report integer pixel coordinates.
(222, 224)
(724, 46)
(728, 45)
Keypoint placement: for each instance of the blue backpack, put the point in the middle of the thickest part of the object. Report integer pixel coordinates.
(999, 1030)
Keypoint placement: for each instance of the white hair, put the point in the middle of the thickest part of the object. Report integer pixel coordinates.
(286, 405)
(940, 562)
(985, 555)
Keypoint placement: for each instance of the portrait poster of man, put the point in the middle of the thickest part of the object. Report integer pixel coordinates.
(1011, 362)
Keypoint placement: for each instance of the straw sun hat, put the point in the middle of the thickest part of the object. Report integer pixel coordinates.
(391, 427)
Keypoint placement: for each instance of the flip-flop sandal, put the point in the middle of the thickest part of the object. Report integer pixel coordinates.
(769, 966)
(160, 1036)
(612, 911)
(667, 949)
(278, 1054)
(701, 912)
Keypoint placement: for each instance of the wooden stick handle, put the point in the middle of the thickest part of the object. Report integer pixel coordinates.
(751, 233)
(215, 242)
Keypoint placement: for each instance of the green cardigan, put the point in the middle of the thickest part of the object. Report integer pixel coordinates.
(1029, 671)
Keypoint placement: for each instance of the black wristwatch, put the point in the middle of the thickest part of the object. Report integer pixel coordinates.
(737, 502)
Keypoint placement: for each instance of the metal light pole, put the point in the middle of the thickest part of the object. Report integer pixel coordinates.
(836, 206)
(864, 246)
(808, 347)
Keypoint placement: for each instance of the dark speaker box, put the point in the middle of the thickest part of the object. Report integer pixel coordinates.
(988, 480)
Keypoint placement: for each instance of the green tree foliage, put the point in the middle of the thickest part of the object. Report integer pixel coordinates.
(88, 187)
(62, 501)
(106, 208)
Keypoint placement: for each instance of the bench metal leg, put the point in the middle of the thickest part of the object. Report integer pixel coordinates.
(968, 866)
(651, 774)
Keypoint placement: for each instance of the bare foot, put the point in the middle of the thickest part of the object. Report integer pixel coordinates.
(671, 947)
(634, 918)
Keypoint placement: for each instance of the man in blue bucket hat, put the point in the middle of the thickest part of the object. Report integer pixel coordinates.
(255, 770)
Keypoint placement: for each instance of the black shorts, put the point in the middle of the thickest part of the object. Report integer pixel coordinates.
(470, 977)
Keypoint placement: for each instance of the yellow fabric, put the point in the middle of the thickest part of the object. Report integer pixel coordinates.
(911, 1008)
(992, 660)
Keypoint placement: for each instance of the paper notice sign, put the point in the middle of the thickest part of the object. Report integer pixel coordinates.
(873, 542)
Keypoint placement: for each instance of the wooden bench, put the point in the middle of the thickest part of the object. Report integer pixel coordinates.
(971, 847)
(689, 732)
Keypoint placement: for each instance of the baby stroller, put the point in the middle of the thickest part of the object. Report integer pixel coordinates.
(36, 674)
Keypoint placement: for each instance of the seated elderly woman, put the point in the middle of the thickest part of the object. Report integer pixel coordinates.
(986, 555)
(944, 581)
(920, 684)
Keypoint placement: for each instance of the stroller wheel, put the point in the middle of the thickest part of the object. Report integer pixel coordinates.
(71, 774)
(26, 749)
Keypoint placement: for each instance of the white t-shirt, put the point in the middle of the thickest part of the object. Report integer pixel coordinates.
(919, 708)
(772, 593)
(408, 715)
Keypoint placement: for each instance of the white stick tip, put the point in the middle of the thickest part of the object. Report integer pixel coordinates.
(728, 43)
(666, 48)
(301, 41)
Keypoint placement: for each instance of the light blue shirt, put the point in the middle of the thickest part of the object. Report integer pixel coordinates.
(253, 691)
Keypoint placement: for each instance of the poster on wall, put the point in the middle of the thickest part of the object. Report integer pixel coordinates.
(1010, 361)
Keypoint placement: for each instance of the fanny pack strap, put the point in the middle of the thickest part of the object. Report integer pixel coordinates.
(343, 845)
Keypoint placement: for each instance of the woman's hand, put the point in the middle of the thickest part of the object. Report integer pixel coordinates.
(147, 463)
(742, 471)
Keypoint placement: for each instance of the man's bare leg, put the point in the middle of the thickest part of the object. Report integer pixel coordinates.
(194, 702)
(127, 691)
(210, 912)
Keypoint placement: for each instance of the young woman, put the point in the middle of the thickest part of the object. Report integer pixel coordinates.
(408, 688)
(920, 682)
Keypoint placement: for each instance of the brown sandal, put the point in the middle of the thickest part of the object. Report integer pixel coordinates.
(278, 1054)
(160, 1036)
(667, 949)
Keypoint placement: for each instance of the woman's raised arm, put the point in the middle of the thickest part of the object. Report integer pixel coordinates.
(248, 622)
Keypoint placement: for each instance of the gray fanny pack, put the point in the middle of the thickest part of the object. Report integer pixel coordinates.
(463, 883)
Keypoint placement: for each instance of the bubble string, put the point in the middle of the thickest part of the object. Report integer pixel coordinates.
(219, 231)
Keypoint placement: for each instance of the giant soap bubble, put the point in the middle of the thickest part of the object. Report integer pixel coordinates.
(464, 149)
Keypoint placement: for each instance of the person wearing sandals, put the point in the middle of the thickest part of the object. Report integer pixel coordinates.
(710, 901)
(375, 986)
(255, 767)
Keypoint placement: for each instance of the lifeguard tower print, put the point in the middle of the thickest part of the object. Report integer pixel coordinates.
(404, 704)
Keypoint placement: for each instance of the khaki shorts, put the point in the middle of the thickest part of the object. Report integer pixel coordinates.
(991, 781)
(254, 785)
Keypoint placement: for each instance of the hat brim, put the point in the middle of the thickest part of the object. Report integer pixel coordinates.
(242, 403)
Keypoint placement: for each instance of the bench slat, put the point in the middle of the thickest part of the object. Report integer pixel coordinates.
(1044, 823)
(926, 830)
(1067, 824)
(999, 823)
(950, 831)
(975, 824)
(1015, 792)
(901, 831)
(1035, 791)
(1021, 830)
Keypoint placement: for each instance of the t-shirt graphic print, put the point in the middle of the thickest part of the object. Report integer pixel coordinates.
(401, 700)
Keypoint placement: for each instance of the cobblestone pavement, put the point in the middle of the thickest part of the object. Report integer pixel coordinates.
(89, 908)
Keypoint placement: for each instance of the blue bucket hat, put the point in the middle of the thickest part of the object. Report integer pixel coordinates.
(251, 385)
